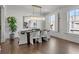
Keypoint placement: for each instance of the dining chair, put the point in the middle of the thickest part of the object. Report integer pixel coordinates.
(48, 34)
(22, 37)
(35, 36)
(38, 34)
(44, 35)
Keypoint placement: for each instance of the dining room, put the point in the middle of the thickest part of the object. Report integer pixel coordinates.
(38, 29)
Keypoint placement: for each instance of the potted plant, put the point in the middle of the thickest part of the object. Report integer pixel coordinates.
(12, 25)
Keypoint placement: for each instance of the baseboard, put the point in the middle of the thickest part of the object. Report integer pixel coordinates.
(64, 39)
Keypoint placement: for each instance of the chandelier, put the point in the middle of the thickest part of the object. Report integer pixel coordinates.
(35, 17)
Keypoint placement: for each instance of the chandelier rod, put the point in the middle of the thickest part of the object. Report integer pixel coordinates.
(36, 7)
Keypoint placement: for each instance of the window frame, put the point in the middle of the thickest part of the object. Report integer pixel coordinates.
(51, 16)
(69, 21)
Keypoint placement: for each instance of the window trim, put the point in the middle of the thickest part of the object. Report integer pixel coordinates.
(68, 21)
(54, 21)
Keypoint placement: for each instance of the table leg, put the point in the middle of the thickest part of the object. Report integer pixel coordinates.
(28, 38)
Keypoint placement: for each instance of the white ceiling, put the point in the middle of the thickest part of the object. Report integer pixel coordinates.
(46, 9)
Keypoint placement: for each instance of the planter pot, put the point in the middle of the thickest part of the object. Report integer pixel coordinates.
(12, 36)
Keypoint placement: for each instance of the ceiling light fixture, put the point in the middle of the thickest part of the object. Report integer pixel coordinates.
(37, 17)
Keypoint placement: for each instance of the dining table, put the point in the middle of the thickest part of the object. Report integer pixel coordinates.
(28, 31)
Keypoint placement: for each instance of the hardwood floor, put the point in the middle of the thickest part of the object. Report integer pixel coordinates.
(0, 48)
(53, 46)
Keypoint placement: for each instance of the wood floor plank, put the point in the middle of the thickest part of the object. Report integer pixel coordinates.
(53, 46)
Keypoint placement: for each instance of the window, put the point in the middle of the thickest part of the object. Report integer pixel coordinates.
(52, 22)
(74, 21)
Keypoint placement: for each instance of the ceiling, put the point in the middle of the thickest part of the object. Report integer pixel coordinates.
(46, 9)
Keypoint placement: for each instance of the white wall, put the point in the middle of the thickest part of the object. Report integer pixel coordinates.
(3, 15)
(63, 29)
(17, 12)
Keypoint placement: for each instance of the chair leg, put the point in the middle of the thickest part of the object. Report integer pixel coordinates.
(44, 39)
(34, 41)
(31, 41)
(39, 40)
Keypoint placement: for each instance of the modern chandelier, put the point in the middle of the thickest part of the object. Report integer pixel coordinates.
(35, 17)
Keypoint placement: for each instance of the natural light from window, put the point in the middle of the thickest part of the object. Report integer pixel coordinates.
(52, 22)
(74, 21)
